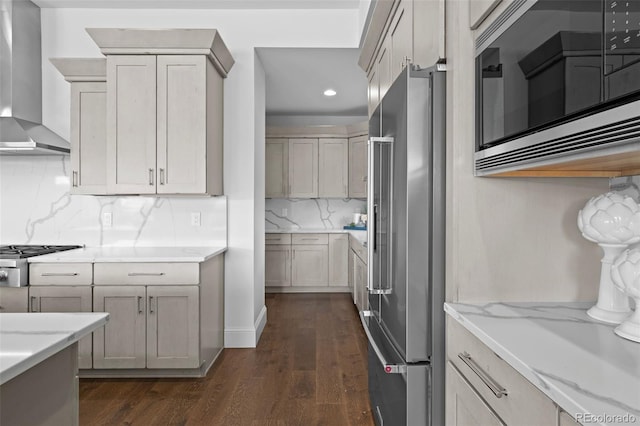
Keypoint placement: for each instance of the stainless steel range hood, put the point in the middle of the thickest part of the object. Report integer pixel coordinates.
(21, 129)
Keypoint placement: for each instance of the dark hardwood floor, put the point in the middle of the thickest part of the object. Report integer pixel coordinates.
(310, 368)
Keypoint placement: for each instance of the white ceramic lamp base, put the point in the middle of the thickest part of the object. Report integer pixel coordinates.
(630, 329)
(613, 305)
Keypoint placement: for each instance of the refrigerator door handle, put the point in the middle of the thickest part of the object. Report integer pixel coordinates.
(388, 367)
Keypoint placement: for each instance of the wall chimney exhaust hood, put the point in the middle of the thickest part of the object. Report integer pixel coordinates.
(21, 129)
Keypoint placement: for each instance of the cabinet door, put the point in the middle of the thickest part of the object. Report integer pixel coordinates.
(309, 265)
(303, 168)
(277, 168)
(173, 332)
(131, 124)
(338, 260)
(362, 299)
(277, 259)
(401, 34)
(464, 407)
(564, 419)
(351, 270)
(121, 342)
(384, 68)
(182, 124)
(358, 167)
(14, 300)
(333, 168)
(88, 138)
(65, 299)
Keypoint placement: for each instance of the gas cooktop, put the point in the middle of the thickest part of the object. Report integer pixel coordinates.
(24, 251)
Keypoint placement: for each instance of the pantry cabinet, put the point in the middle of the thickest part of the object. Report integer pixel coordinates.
(358, 167)
(65, 299)
(276, 168)
(333, 168)
(88, 122)
(303, 168)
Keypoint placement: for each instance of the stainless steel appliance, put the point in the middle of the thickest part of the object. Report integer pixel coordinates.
(557, 79)
(14, 270)
(405, 320)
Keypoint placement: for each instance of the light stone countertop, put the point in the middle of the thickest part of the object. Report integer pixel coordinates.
(130, 254)
(30, 338)
(576, 361)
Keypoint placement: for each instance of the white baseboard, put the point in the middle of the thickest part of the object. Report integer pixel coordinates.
(246, 337)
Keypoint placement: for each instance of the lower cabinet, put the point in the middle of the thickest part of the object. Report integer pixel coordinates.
(309, 265)
(360, 284)
(65, 299)
(482, 389)
(14, 299)
(277, 265)
(149, 327)
(338, 260)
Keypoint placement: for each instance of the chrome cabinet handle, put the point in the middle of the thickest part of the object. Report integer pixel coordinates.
(145, 274)
(493, 386)
(140, 310)
(59, 274)
(388, 367)
(33, 306)
(151, 305)
(150, 176)
(75, 178)
(161, 176)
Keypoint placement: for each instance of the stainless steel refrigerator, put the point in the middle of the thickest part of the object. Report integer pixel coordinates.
(405, 319)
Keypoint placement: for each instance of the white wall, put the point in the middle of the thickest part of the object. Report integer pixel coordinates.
(63, 35)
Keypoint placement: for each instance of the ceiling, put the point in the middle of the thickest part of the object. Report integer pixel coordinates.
(297, 77)
(201, 4)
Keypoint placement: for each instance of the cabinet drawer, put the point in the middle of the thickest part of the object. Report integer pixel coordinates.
(146, 273)
(277, 239)
(60, 274)
(310, 239)
(523, 403)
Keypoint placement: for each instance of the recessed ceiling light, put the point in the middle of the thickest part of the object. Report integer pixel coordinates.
(329, 92)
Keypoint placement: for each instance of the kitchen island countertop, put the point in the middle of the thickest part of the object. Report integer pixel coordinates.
(131, 254)
(578, 362)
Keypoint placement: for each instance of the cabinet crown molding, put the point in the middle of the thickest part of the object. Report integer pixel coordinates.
(348, 131)
(187, 41)
(81, 69)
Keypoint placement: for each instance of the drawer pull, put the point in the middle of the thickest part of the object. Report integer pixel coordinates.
(151, 309)
(309, 239)
(493, 386)
(59, 274)
(145, 274)
(140, 310)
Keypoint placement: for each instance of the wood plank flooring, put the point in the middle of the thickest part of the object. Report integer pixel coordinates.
(310, 368)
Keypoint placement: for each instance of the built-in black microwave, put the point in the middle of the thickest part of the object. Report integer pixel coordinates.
(557, 77)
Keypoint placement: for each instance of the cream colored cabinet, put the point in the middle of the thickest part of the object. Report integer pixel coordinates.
(173, 316)
(479, 10)
(508, 395)
(333, 168)
(358, 167)
(277, 168)
(303, 168)
(164, 117)
(131, 124)
(65, 299)
(373, 91)
(565, 419)
(401, 37)
(88, 123)
(464, 405)
(14, 299)
(309, 265)
(121, 343)
(362, 299)
(277, 265)
(338, 260)
(383, 64)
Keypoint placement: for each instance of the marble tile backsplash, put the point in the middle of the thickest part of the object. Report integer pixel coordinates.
(629, 185)
(37, 208)
(321, 213)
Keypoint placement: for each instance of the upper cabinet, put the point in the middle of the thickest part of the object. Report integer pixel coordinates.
(401, 32)
(163, 114)
(479, 10)
(307, 162)
(88, 79)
